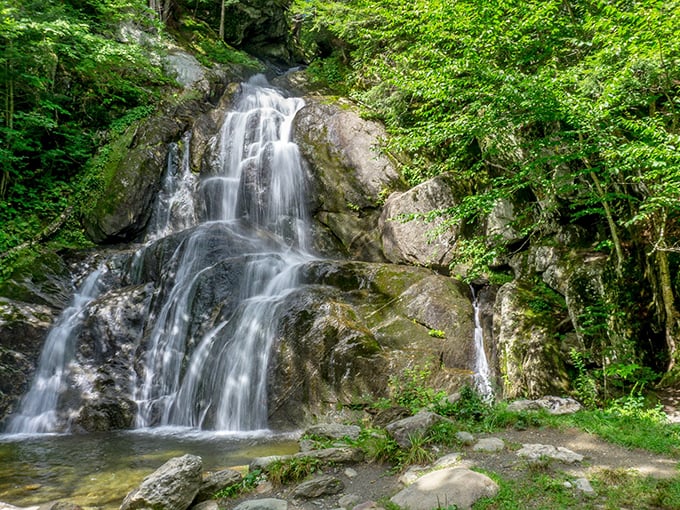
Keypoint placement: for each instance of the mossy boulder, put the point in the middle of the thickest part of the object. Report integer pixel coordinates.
(350, 176)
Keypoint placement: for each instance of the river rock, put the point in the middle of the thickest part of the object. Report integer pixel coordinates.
(173, 486)
(451, 487)
(263, 504)
(216, 481)
(539, 452)
(317, 487)
(414, 241)
(489, 444)
(403, 431)
(333, 431)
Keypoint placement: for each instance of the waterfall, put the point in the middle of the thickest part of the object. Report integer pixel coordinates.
(243, 219)
(38, 410)
(254, 194)
(482, 377)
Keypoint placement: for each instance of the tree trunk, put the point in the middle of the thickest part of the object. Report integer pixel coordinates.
(223, 10)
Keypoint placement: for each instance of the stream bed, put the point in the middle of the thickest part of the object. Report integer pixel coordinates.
(98, 470)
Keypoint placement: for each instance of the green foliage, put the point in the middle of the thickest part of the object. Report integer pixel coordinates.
(411, 389)
(436, 333)
(378, 446)
(470, 407)
(585, 386)
(572, 108)
(247, 484)
(295, 469)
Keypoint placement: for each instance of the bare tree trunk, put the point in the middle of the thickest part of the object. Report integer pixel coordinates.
(223, 10)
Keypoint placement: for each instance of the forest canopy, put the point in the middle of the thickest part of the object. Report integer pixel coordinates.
(571, 107)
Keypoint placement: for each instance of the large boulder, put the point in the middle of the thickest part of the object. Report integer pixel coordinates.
(173, 486)
(529, 350)
(355, 324)
(409, 236)
(23, 328)
(451, 487)
(351, 177)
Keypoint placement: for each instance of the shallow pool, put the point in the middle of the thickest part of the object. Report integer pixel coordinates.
(98, 470)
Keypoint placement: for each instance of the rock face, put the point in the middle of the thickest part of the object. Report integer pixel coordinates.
(529, 352)
(417, 241)
(350, 175)
(403, 431)
(259, 27)
(451, 487)
(172, 486)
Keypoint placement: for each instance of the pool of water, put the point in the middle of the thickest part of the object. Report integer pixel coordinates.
(98, 470)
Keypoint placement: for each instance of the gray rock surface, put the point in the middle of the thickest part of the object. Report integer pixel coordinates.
(333, 431)
(489, 444)
(541, 452)
(263, 504)
(414, 242)
(403, 430)
(337, 455)
(216, 481)
(447, 487)
(318, 486)
(173, 486)
(465, 438)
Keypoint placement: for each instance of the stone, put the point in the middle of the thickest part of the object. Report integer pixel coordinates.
(501, 221)
(60, 505)
(319, 486)
(409, 476)
(7, 506)
(209, 504)
(451, 487)
(173, 486)
(465, 438)
(263, 504)
(333, 431)
(489, 444)
(350, 473)
(412, 242)
(348, 501)
(583, 485)
(559, 405)
(541, 452)
(336, 455)
(521, 405)
(262, 463)
(403, 430)
(216, 481)
(449, 460)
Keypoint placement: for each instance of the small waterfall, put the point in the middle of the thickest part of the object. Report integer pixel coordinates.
(482, 377)
(174, 209)
(38, 411)
(254, 193)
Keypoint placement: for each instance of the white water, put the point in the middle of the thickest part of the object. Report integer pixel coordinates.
(482, 377)
(39, 407)
(253, 196)
(220, 382)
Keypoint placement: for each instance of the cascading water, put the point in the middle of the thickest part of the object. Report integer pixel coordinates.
(255, 194)
(482, 377)
(245, 217)
(39, 407)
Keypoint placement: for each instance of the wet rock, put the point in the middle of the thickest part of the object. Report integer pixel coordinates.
(403, 431)
(317, 487)
(489, 444)
(541, 452)
(216, 481)
(333, 431)
(173, 486)
(454, 487)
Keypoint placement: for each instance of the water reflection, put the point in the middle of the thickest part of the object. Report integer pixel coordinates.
(97, 470)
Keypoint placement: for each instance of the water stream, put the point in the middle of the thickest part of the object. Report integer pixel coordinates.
(482, 376)
(244, 217)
